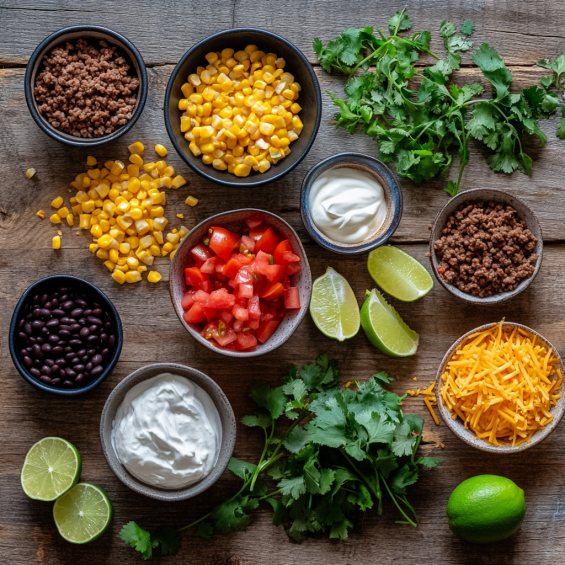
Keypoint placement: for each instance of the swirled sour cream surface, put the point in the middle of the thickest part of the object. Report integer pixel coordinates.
(167, 432)
(347, 204)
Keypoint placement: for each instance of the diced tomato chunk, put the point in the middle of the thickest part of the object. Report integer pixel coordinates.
(194, 276)
(268, 242)
(187, 300)
(286, 282)
(226, 316)
(227, 337)
(231, 268)
(240, 313)
(243, 259)
(253, 308)
(292, 269)
(257, 233)
(272, 292)
(209, 267)
(210, 314)
(243, 276)
(274, 272)
(201, 297)
(220, 298)
(222, 241)
(220, 264)
(282, 248)
(245, 340)
(253, 324)
(201, 253)
(248, 243)
(266, 330)
(245, 291)
(291, 298)
(254, 220)
(206, 286)
(238, 325)
(195, 315)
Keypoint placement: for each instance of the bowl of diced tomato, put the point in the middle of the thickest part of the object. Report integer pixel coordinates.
(240, 282)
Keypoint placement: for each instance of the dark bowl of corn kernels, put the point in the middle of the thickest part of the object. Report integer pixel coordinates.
(65, 335)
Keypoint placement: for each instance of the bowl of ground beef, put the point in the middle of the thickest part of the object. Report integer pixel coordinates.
(86, 85)
(486, 246)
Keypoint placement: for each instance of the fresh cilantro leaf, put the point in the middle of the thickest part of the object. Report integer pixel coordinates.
(232, 515)
(168, 538)
(404, 441)
(339, 530)
(446, 29)
(452, 189)
(260, 420)
(205, 530)
(294, 487)
(467, 27)
(378, 429)
(296, 440)
(547, 81)
(415, 422)
(385, 463)
(138, 538)
(383, 378)
(405, 476)
(242, 469)
(399, 22)
(297, 389)
(429, 462)
(561, 129)
(280, 515)
(550, 103)
(311, 375)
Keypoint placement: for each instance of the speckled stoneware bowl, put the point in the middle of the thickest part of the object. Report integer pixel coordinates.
(224, 410)
(489, 194)
(457, 426)
(234, 221)
(393, 199)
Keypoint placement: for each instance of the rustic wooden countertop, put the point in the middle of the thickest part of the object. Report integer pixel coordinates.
(522, 32)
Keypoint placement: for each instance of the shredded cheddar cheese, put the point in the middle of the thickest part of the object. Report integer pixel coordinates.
(502, 385)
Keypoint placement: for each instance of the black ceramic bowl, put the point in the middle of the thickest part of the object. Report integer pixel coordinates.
(85, 32)
(392, 193)
(87, 288)
(296, 63)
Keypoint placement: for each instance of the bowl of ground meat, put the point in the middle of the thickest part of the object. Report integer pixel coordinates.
(85, 85)
(486, 246)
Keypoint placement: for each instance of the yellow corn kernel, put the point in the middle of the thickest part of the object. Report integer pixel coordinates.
(157, 212)
(118, 276)
(88, 206)
(55, 219)
(30, 172)
(173, 238)
(132, 263)
(160, 223)
(70, 219)
(58, 202)
(136, 148)
(178, 181)
(191, 201)
(154, 250)
(96, 231)
(102, 254)
(136, 160)
(110, 266)
(56, 242)
(114, 255)
(93, 247)
(167, 248)
(242, 170)
(41, 214)
(117, 168)
(153, 277)
(133, 276)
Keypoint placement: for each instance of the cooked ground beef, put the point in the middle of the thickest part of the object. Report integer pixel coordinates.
(86, 91)
(485, 249)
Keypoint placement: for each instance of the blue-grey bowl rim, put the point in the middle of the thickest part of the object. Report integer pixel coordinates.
(188, 158)
(71, 280)
(391, 185)
(45, 126)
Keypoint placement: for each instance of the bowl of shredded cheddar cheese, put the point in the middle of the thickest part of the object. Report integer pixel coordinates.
(499, 388)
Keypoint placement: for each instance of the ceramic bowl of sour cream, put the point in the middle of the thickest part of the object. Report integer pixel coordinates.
(350, 203)
(168, 431)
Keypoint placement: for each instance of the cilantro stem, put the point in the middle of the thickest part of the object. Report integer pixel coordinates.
(396, 503)
(268, 440)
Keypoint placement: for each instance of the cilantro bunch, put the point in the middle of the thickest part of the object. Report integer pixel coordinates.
(418, 119)
(343, 452)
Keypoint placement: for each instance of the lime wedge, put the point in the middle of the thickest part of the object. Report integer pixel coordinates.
(52, 466)
(385, 328)
(83, 514)
(398, 274)
(334, 307)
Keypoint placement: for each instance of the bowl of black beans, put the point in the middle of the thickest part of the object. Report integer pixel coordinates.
(65, 335)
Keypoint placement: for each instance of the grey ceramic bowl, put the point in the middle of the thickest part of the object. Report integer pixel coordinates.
(93, 33)
(393, 198)
(226, 416)
(486, 194)
(457, 426)
(234, 221)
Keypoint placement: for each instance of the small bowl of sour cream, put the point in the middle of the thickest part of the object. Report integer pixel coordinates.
(168, 431)
(350, 203)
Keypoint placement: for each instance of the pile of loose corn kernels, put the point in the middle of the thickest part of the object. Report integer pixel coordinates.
(123, 207)
(239, 112)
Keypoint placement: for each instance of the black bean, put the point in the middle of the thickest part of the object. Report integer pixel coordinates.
(77, 313)
(46, 370)
(54, 338)
(92, 339)
(68, 305)
(81, 303)
(75, 343)
(75, 328)
(44, 298)
(52, 323)
(68, 321)
(96, 360)
(105, 352)
(103, 338)
(35, 372)
(81, 352)
(56, 381)
(112, 341)
(84, 332)
(55, 369)
(58, 313)
(58, 350)
(28, 329)
(45, 379)
(61, 362)
(70, 355)
(94, 329)
(85, 359)
(39, 340)
(36, 312)
(54, 301)
(36, 325)
(45, 331)
(74, 361)
(44, 313)
(94, 320)
(70, 373)
(21, 324)
(80, 379)
(28, 362)
(29, 316)
(69, 384)
(97, 370)
(62, 374)
(23, 336)
(37, 363)
(87, 312)
(91, 352)
(79, 368)
(82, 321)
(64, 333)
(97, 312)
(88, 367)
(49, 362)
(32, 339)
(68, 349)
(37, 351)
(46, 348)
(23, 352)
(48, 305)
(107, 326)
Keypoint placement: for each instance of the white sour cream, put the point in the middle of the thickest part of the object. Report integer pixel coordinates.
(347, 205)
(167, 432)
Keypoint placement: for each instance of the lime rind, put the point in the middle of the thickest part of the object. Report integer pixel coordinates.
(51, 468)
(399, 274)
(83, 513)
(385, 329)
(334, 307)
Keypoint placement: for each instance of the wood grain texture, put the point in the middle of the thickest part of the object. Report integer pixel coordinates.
(523, 32)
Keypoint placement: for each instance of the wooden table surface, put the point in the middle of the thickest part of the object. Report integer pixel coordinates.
(522, 32)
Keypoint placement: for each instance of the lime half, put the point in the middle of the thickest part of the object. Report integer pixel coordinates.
(83, 514)
(334, 307)
(385, 328)
(398, 274)
(52, 466)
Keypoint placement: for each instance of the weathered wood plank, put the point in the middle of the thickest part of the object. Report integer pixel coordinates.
(23, 145)
(152, 333)
(522, 32)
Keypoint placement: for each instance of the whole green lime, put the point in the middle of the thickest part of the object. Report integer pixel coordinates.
(485, 509)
